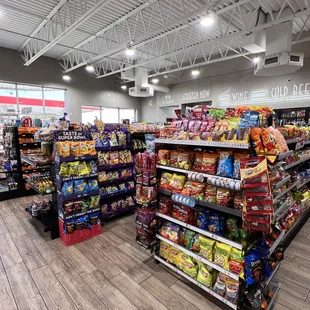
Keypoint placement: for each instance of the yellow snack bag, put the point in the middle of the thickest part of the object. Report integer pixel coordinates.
(75, 148)
(83, 148)
(222, 254)
(205, 275)
(63, 148)
(189, 267)
(164, 249)
(177, 182)
(173, 256)
(206, 248)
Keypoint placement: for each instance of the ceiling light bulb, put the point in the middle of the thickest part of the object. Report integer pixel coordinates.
(124, 87)
(155, 80)
(195, 72)
(130, 51)
(66, 77)
(207, 21)
(90, 68)
(256, 59)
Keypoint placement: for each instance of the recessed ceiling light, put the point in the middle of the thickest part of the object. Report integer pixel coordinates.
(66, 77)
(207, 21)
(166, 76)
(130, 51)
(155, 80)
(124, 87)
(90, 68)
(195, 72)
(256, 59)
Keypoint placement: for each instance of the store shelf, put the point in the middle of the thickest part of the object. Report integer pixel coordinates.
(117, 166)
(113, 148)
(200, 231)
(118, 194)
(75, 215)
(274, 296)
(234, 145)
(149, 246)
(285, 155)
(224, 182)
(285, 192)
(301, 184)
(291, 141)
(282, 210)
(117, 181)
(207, 204)
(34, 163)
(13, 171)
(282, 182)
(37, 190)
(206, 289)
(38, 169)
(268, 280)
(276, 243)
(30, 144)
(61, 179)
(75, 158)
(197, 257)
(300, 161)
(77, 196)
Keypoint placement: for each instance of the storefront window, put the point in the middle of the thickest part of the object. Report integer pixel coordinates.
(127, 114)
(8, 103)
(89, 114)
(109, 115)
(54, 102)
(30, 100)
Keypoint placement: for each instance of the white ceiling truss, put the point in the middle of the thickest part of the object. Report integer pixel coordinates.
(165, 34)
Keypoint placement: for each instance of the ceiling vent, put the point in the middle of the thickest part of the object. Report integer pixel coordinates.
(141, 91)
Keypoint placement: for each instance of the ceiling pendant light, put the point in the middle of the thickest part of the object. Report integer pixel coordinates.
(155, 80)
(90, 68)
(123, 87)
(207, 20)
(256, 59)
(130, 51)
(66, 77)
(195, 72)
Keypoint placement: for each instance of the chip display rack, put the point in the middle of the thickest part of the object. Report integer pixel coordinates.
(279, 239)
(77, 187)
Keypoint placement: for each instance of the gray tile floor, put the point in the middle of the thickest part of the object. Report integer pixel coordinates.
(111, 271)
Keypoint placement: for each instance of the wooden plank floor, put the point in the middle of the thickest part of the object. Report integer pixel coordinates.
(111, 271)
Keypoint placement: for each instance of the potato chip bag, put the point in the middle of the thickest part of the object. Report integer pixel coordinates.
(209, 163)
(75, 148)
(163, 157)
(236, 262)
(205, 275)
(189, 266)
(225, 165)
(257, 140)
(206, 247)
(164, 249)
(222, 254)
(83, 148)
(165, 180)
(173, 255)
(63, 148)
(64, 170)
(232, 290)
(91, 147)
(177, 182)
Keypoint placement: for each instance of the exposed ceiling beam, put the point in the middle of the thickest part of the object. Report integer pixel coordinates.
(214, 43)
(78, 59)
(64, 17)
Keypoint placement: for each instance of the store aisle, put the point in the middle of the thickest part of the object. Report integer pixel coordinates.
(111, 271)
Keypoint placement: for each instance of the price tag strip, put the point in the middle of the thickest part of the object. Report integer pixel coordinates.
(211, 292)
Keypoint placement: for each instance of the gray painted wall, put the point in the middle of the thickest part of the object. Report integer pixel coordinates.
(81, 90)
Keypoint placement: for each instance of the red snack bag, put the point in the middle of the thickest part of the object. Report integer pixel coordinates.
(164, 205)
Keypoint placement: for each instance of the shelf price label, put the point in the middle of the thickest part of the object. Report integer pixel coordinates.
(300, 145)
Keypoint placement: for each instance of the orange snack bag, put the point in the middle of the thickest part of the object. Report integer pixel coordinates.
(91, 147)
(75, 148)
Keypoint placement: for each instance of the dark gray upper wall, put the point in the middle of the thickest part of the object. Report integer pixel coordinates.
(81, 90)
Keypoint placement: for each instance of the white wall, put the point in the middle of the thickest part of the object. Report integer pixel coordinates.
(81, 90)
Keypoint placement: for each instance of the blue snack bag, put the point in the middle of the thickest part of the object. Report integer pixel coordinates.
(80, 187)
(225, 165)
(254, 269)
(93, 185)
(67, 188)
(202, 219)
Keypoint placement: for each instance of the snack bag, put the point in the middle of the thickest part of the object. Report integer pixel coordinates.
(253, 268)
(196, 243)
(232, 228)
(91, 147)
(93, 167)
(257, 141)
(64, 170)
(221, 254)
(236, 262)
(164, 205)
(198, 161)
(232, 290)
(209, 163)
(210, 193)
(67, 188)
(224, 197)
(164, 249)
(93, 185)
(188, 239)
(269, 141)
(173, 255)
(174, 155)
(184, 160)
(237, 159)
(202, 219)
(80, 187)
(220, 284)
(83, 148)
(75, 148)
(113, 139)
(205, 275)
(74, 168)
(63, 148)
(83, 169)
(96, 137)
(121, 137)
(225, 165)
(177, 183)
(189, 266)
(163, 157)
(215, 223)
(114, 160)
(206, 247)
(94, 202)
